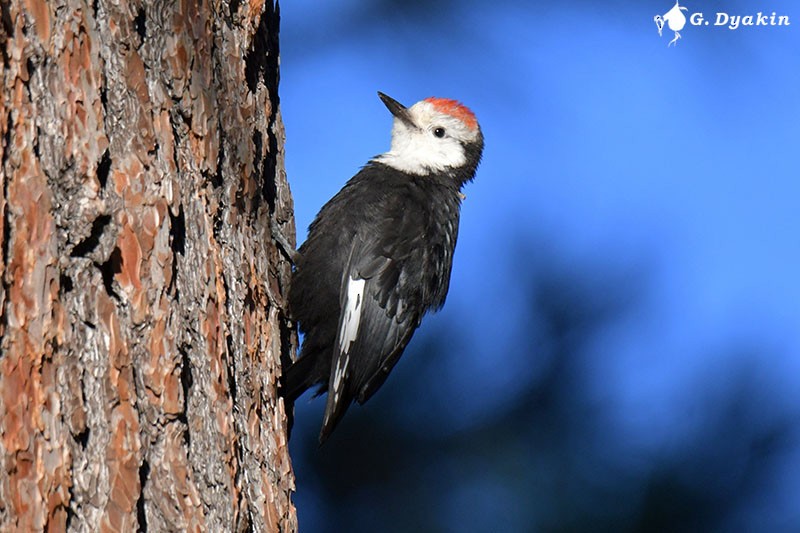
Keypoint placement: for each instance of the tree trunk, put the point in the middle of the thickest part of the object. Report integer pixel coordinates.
(142, 301)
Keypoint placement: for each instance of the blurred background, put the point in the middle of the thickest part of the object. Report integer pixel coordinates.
(620, 349)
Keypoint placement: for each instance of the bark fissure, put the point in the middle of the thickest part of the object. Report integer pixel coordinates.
(103, 167)
(186, 385)
(140, 22)
(88, 245)
(141, 512)
(5, 246)
(110, 268)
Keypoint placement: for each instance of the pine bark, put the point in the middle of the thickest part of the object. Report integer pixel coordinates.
(142, 296)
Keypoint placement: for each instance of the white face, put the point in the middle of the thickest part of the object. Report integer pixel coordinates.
(435, 144)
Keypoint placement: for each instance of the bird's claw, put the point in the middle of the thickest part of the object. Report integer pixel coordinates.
(283, 245)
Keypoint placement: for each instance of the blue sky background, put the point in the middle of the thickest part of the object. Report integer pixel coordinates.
(667, 177)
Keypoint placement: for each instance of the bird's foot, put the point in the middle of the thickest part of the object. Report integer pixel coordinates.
(283, 245)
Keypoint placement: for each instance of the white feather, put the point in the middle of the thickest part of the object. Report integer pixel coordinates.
(351, 320)
(338, 374)
(351, 313)
(418, 150)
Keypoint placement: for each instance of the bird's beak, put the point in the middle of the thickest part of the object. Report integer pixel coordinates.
(397, 109)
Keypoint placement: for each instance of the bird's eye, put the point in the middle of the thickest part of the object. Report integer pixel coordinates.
(439, 132)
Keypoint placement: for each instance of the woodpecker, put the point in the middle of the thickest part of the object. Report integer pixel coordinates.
(379, 254)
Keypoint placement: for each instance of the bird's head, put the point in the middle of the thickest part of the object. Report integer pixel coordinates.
(434, 136)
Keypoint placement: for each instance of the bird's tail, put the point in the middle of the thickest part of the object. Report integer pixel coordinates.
(294, 382)
(297, 379)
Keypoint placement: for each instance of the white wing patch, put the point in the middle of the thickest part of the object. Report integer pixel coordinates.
(338, 374)
(351, 320)
(351, 314)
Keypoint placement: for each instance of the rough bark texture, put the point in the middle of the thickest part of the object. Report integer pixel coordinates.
(142, 296)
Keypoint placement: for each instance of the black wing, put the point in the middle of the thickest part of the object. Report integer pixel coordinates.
(381, 306)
